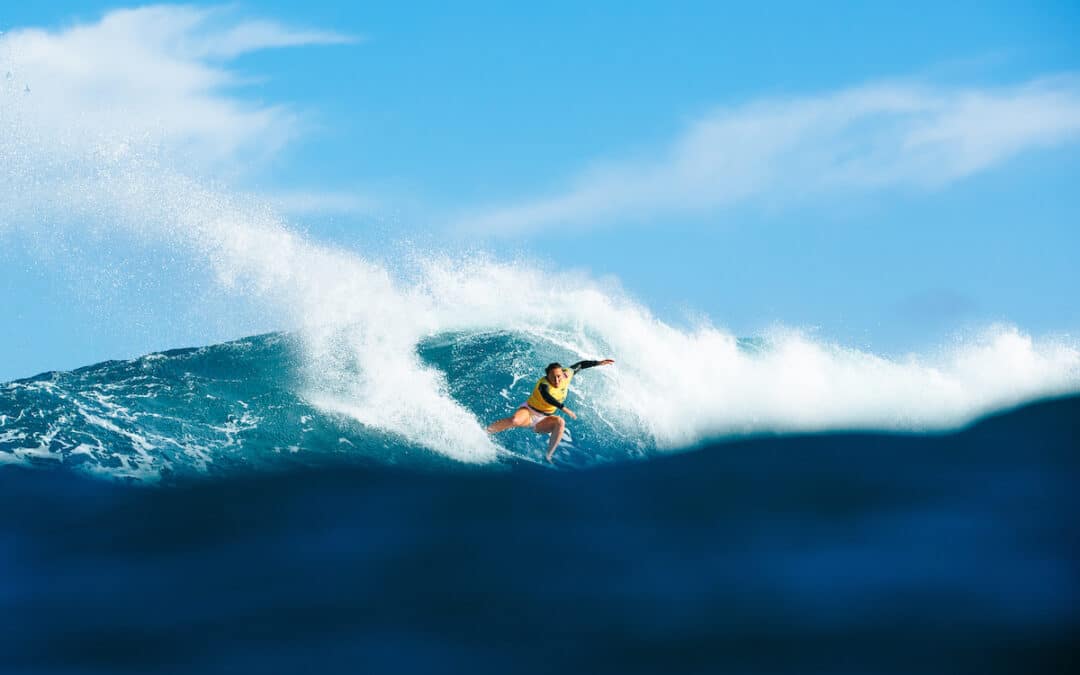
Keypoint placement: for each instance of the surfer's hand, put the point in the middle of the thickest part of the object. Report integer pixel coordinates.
(570, 412)
(607, 362)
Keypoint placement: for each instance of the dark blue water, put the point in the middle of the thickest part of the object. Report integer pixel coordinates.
(839, 553)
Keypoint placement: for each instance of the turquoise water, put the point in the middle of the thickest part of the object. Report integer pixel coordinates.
(217, 410)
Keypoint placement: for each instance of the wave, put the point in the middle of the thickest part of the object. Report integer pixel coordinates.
(257, 403)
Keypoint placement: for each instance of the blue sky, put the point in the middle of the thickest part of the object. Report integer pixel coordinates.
(884, 175)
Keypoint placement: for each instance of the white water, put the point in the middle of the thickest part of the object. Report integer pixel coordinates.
(361, 323)
(684, 386)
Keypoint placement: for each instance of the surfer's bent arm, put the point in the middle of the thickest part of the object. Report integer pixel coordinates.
(546, 395)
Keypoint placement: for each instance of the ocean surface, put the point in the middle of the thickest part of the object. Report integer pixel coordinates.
(216, 510)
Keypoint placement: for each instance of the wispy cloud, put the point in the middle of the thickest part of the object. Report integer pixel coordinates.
(324, 202)
(156, 76)
(871, 137)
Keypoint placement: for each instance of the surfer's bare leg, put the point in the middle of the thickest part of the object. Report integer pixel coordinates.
(553, 425)
(520, 418)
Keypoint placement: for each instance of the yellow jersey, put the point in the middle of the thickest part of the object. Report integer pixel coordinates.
(536, 399)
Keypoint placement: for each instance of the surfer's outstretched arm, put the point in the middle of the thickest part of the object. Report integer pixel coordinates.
(582, 365)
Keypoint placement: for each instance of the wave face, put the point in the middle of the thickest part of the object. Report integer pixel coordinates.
(255, 403)
(201, 411)
(234, 406)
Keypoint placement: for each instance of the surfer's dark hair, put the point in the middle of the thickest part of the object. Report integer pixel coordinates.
(551, 367)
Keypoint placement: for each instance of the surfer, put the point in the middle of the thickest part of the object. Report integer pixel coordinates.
(547, 397)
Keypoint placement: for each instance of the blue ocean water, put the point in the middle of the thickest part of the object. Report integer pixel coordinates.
(196, 511)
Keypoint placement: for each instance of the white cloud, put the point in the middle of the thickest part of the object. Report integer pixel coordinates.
(324, 202)
(153, 77)
(871, 137)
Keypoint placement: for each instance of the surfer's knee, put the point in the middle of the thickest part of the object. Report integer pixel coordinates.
(521, 418)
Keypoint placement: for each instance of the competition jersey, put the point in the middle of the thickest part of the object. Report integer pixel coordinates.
(542, 394)
(547, 398)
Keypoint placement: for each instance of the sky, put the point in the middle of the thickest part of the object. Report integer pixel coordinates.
(884, 176)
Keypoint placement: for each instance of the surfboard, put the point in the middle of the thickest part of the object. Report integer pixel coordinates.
(540, 442)
(515, 457)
